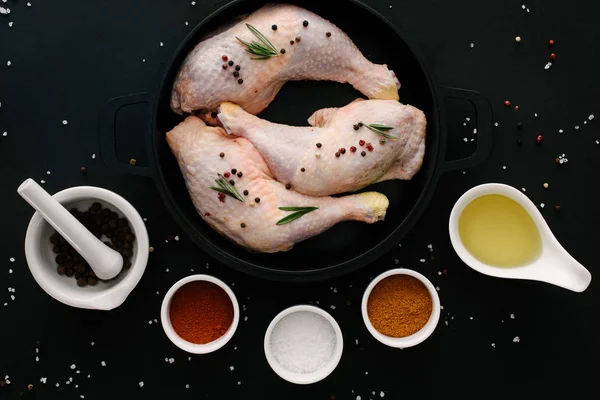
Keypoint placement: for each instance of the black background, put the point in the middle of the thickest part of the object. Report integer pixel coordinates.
(68, 58)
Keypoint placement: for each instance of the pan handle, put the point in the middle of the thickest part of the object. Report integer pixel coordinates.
(108, 132)
(485, 130)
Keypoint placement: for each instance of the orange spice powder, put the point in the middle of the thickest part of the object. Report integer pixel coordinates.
(201, 312)
(399, 306)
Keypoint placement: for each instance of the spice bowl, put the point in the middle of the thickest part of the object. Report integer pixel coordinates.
(196, 348)
(417, 337)
(41, 258)
(321, 343)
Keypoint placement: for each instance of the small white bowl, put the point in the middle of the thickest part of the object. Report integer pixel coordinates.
(40, 258)
(554, 264)
(417, 337)
(311, 377)
(183, 344)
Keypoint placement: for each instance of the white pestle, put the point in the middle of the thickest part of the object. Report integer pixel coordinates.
(105, 262)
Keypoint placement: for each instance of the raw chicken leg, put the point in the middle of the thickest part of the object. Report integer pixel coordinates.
(253, 223)
(329, 158)
(206, 80)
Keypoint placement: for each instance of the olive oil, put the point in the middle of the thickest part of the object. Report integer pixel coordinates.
(499, 232)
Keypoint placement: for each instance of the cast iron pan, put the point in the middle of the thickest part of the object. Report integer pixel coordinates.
(346, 246)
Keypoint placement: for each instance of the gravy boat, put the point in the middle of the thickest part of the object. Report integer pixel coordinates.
(554, 265)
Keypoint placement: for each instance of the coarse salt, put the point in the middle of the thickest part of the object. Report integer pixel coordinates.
(303, 342)
(512, 316)
(5, 134)
(591, 117)
(103, 364)
(516, 339)
(43, 379)
(73, 366)
(472, 45)
(141, 383)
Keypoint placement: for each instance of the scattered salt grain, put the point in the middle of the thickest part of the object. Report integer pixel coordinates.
(548, 65)
(12, 260)
(523, 189)
(42, 181)
(57, 384)
(5, 134)
(542, 205)
(186, 23)
(422, 260)
(358, 398)
(150, 322)
(437, 288)
(494, 345)
(8, 63)
(73, 366)
(560, 131)
(143, 60)
(43, 380)
(103, 364)
(12, 296)
(28, 4)
(576, 126)
(161, 44)
(187, 386)
(37, 359)
(504, 167)
(475, 131)
(176, 238)
(512, 316)
(171, 360)
(231, 368)
(471, 318)
(78, 372)
(94, 156)
(239, 382)
(597, 141)
(495, 124)
(439, 272)
(591, 117)
(516, 339)
(245, 318)
(468, 119)
(332, 307)
(141, 383)
(381, 394)
(10, 271)
(4, 11)
(193, 3)
(464, 124)
(10, 24)
(65, 122)
(92, 343)
(303, 342)
(472, 45)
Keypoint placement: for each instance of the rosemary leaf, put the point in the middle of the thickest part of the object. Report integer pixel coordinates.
(263, 50)
(227, 188)
(299, 212)
(380, 130)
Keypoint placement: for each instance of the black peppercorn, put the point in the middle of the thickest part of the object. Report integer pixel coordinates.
(328, 34)
(356, 127)
(236, 74)
(246, 193)
(92, 281)
(234, 171)
(337, 154)
(239, 174)
(60, 259)
(282, 51)
(274, 27)
(292, 42)
(343, 151)
(319, 145)
(243, 225)
(222, 155)
(237, 67)
(81, 282)
(224, 66)
(305, 23)
(257, 200)
(519, 125)
(302, 169)
(298, 39)
(288, 186)
(231, 63)
(61, 270)
(363, 153)
(240, 81)
(213, 114)
(232, 182)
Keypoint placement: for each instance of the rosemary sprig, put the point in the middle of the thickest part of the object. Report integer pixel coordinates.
(298, 212)
(227, 188)
(263, 50)
(380, 130)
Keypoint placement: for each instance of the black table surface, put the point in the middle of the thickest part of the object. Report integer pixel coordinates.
(68, 58)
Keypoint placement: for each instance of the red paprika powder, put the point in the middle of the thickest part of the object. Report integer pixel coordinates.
(200, 312)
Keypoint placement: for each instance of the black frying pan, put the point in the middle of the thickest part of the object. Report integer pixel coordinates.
(347, 246)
